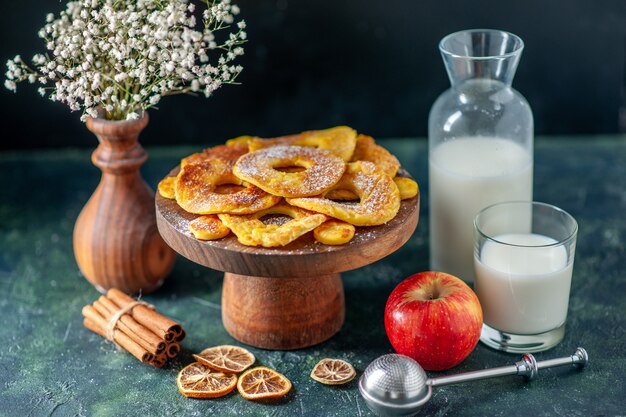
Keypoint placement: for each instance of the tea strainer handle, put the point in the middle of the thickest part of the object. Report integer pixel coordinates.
(527, 367)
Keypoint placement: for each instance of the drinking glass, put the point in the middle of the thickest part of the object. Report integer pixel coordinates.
(523, 260)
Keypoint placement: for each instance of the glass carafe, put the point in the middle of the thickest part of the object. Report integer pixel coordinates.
(480, 134)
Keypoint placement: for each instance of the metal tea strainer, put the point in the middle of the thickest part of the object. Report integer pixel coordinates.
(396, 385)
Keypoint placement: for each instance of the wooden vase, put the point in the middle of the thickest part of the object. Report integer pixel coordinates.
(116, 241)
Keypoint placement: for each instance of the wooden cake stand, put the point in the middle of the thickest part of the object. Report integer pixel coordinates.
(289, 297)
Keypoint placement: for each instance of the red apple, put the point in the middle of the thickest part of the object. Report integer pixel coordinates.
(434, 318)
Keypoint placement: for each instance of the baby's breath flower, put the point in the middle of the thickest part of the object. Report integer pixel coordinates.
(10, 85)
(123, 56)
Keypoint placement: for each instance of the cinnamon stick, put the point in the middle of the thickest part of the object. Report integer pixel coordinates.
(128, 325)
(172, 350)
(97, 324)
(180, 336)
(147, 335)
(159, 360)
(158, 324)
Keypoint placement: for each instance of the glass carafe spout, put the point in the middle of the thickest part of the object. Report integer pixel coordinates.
(487, 54)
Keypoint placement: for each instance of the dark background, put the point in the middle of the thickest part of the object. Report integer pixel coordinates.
(370, 64)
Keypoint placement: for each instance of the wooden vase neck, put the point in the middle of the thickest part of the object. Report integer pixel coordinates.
(119, 151)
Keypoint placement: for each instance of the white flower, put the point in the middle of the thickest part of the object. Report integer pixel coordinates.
(125, 55)
(10, 84)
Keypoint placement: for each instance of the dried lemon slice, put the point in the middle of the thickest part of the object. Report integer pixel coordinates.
(198, 381)
(226, 358)
(262, 383)
(333, 372)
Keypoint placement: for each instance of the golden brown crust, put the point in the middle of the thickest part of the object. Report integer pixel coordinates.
(367, 150)
(208, 227)
(166, 188)
(408, 188)
(379, 197)
(339, 140)
(196, 185)
(248, 177)
(251, 231)
(321, 171)
(229, 153)
(334, 232)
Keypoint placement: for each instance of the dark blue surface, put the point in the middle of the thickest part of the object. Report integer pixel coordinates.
(51, 365)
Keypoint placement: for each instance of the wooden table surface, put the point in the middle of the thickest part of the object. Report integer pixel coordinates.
(51, 365)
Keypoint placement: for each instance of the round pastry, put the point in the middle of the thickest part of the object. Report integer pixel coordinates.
(208, 227)
(245, 139)
(166, 187)
(339, 140)
(321, 171)
(367, 150)
(341, 195)
(378, 194)
(251, 231)
(196, 190)
(334, 232)
(230, 152)
(408, 188)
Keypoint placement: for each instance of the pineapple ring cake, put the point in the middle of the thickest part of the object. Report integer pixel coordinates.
(322, 170)
(368, 150)
(334, 232)
(304, 176)
(407, 186)
(229, 152)
(197, 184)
(379, 197)
(251, 231)
(340, 141)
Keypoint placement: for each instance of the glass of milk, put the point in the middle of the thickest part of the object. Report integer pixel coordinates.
(523, 258)
(480, 134)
